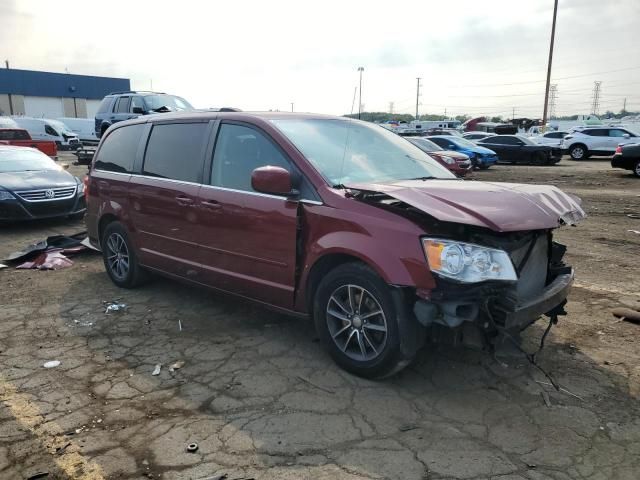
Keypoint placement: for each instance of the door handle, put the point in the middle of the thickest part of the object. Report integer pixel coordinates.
(184, 201)
(211, 204)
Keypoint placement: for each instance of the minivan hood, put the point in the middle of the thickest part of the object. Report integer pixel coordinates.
(501, 207)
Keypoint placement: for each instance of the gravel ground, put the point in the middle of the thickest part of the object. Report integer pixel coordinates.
(263, 400)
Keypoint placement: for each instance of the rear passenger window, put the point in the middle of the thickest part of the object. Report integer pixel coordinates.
(239, 151)
(118, 150)
(122, 106)
(175, 151)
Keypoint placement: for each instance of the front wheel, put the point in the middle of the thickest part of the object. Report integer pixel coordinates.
(120, 258)
(539, 158)
(578, 152)
(357, 320)
(636, 169)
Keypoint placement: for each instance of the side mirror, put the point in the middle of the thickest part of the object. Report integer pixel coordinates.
(138, 110)
(626, 135)
(274, 180)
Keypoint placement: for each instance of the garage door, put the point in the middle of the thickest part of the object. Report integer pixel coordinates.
(43, 107)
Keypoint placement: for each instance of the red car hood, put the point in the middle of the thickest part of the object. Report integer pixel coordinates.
(502, 207)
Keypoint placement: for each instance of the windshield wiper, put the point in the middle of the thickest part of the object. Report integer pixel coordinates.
(421, 178)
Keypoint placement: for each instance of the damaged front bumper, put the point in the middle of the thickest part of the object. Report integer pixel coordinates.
(549, 302)
(493, 308)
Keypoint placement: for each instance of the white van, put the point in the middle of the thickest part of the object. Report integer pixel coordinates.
(46, 129)
(84, 128)
(7, 122)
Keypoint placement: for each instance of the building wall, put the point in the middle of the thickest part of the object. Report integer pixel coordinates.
(16, 100)
(92, 108)
(44, 107)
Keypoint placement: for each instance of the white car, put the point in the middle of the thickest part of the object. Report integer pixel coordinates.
(475, 136)
(581, 144)
(553, 139)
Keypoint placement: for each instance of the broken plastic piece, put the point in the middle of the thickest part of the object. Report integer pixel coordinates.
(51, 364)
(192, 447)
(156, 370)
(176, 365)
(115, 307)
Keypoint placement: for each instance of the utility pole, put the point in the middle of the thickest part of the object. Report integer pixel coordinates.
(353, 102)
(6, 64)
(445, 114)
(417, 95)
(624, 105)
(291, 107)
(553, 36)
(595, 105)
(360, 69)
(553, 96)
(513, 113)
(391, 108)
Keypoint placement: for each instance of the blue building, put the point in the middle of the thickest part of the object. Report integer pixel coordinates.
(54, 95)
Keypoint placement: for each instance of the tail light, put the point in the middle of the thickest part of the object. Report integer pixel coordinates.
(619, 149)
(86, 183)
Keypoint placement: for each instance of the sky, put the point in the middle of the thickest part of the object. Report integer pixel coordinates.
(474, 57)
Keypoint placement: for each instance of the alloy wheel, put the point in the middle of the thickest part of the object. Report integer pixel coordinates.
(637, 169)
(118, 256)
(577, 153)
(356, 322)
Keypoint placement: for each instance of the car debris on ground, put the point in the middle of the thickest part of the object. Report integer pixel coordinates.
(111, 307)
(49, 254)
(156, 370)
(51, 364)
(176, 365)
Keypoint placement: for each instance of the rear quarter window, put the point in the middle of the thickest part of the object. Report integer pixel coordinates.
(105, 105)
(175, 151)
(118, 150)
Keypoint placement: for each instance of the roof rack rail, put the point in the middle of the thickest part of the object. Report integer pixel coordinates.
(136, 91)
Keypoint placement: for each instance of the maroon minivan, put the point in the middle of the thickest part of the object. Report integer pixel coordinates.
(331, 218)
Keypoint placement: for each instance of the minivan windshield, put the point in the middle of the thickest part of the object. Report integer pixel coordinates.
(170, 102)
(349, 151)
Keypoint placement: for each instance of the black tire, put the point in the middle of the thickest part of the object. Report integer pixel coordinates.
(578, 151)
(365, 292)
(115, 239)
(636, 169)
(484, 166)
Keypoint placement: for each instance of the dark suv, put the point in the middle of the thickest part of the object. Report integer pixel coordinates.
(331, 218)
(119, 106)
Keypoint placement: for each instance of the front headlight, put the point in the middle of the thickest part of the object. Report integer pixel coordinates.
(80, 188)
(466, 262)
(6, 195)
(448, 160)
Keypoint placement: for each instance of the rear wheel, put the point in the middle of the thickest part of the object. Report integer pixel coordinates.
(120, 258)
(357, 320)
(578, 152)
(636, 169)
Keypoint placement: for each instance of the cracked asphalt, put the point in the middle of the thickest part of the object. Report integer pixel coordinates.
(262, 399)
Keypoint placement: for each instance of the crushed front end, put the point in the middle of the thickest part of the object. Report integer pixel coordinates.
(484, 312)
